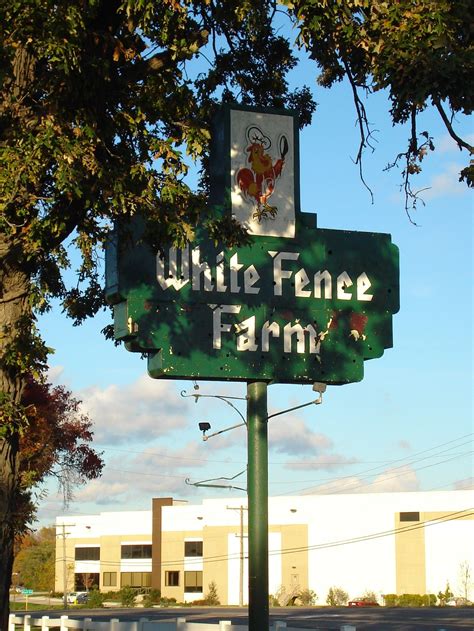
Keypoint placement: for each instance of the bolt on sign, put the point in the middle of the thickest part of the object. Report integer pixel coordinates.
(298, 304)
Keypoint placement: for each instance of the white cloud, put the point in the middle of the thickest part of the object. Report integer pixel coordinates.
(324, 462)
(142, 411)
(130, 480)
(293, 436)
(394, 480)
(136, 476)
(104, 492)
(389, 481)
(464, 485)
(447, 144)
(404, 444)
(55, 374)
(186, 456)
(445, 183)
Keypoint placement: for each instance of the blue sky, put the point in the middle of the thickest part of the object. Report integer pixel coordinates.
(407, 426)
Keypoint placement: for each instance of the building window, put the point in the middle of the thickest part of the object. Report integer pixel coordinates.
(409, 516)
(193, 548)
(172, 578)
(85, 581)
(135, 579)
(87, 554)
(109, 579)
(136, 551)
(193, 581)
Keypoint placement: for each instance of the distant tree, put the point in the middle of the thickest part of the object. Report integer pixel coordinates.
(445, 596)
(307, 597)
(465, 579)
(212, 597)
(337, 597)
(390, 600)
(35, 560)
(429, 600)
(370, 595)
(273, 601)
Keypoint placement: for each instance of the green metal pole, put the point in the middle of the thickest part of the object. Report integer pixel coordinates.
(257, 483)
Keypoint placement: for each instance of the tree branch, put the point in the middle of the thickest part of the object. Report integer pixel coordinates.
(461, 143)
(412, 157)
(72, 212)
(139, 70)
(363, 123)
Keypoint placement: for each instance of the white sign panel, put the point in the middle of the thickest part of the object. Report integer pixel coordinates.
(263, 172)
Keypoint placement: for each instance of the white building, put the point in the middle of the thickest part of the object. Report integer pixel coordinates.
(388, 543)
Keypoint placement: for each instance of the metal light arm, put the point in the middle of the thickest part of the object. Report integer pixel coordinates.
(227, 429)
(218, 486)
(318, 387)
(317, 401)
(221, 397)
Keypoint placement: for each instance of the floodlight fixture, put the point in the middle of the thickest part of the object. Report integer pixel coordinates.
(204, 426)
(319, 387)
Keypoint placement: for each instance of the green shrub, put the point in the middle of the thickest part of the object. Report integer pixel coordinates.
(445, 596)
(168, 601)
(429, 600)
(307, 597)
(370, 595)
(212, 597)
(337, 597)
(95, 600)
(273, 601)
(127, 596)
(410, 600)
(153, 597)
(390, 600)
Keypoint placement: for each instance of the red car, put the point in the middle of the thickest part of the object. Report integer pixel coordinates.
(362, 602)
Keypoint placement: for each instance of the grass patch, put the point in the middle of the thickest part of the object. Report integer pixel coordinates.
(14, 606)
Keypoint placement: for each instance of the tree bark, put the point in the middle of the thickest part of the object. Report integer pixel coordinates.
(8, 485)
(15, 314)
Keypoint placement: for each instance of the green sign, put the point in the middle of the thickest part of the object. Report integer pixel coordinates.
(297, 305)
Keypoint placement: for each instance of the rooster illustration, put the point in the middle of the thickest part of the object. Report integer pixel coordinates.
(257, 183)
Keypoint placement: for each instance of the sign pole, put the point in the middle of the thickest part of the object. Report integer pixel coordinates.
(257, 425)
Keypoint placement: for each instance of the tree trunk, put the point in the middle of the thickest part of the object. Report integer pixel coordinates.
(8, 483)
(15, 319)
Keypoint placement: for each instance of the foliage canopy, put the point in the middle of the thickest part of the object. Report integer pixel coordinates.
(420, 51)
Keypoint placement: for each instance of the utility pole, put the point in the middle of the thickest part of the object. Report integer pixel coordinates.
(257, 445)
(63, 534)
(241, 585)
(242, 556)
